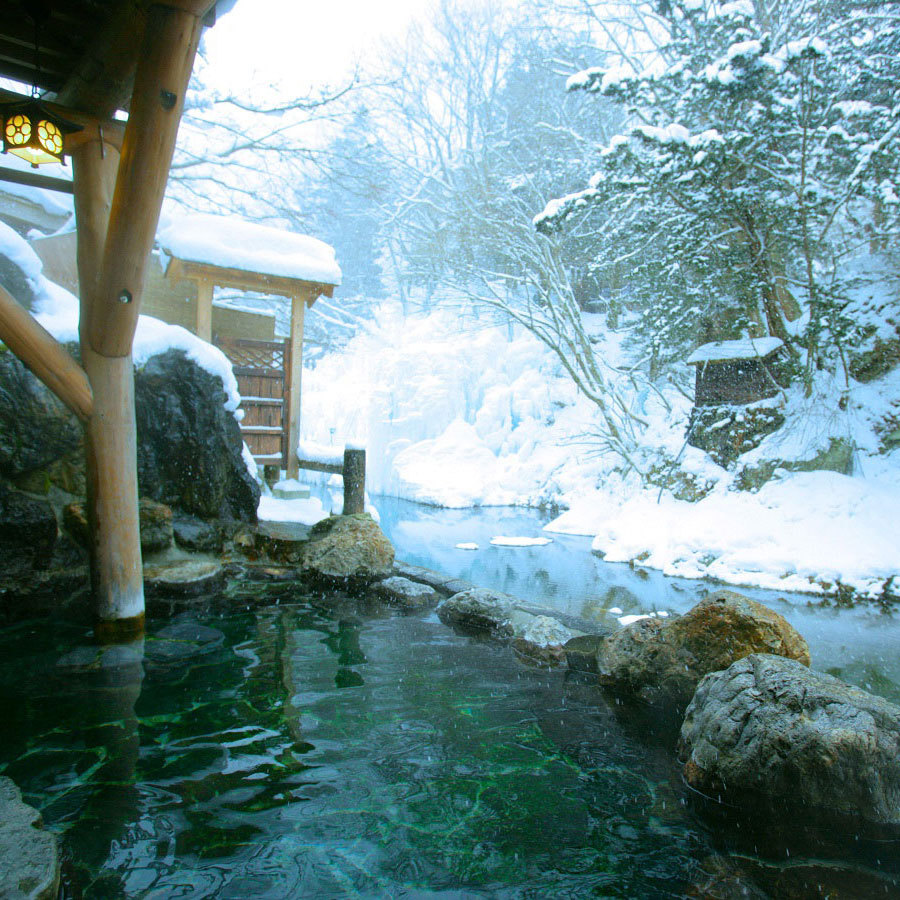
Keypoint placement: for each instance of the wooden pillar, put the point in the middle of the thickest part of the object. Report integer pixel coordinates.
(110, 444)
(203, 321)
(354, 481)
(120, 232)
(295, 377)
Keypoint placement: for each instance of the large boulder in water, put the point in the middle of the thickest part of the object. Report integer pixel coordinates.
(347, 548)
(769, 728)
(663, 661)
(189, 445)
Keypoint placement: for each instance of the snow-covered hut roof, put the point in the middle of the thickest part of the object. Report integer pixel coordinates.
(231, 245)
(746, 348)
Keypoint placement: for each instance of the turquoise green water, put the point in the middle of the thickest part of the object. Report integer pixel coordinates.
(289, 750)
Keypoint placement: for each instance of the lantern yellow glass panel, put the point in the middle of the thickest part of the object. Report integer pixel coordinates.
(30, 133)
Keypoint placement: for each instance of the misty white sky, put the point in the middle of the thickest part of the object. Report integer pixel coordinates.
(301, 44)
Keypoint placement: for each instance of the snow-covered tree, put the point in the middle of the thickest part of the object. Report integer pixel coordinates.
(762, 150)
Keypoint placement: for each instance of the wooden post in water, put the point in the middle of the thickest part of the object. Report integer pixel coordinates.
(111, 293)
(354, 481)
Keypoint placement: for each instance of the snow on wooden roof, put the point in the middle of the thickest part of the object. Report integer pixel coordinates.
(231, 243)
(746, 348)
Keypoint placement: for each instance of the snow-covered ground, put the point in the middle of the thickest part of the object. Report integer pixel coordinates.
(465, 413)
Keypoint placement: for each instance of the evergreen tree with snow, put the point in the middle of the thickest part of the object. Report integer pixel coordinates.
(759, 159)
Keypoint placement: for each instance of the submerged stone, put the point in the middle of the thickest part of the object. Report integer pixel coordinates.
(406, 594)
(29, 859)
(184, 578)
(581, 652)
(539, 637)
(769, 727)
(478, 609)
(282, 542)
(182, 641)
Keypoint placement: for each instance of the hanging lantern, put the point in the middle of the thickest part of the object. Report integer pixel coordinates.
(33, 133)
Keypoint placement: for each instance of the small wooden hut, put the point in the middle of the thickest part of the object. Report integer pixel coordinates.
(735, 372)
(229, 253)
(100, 58)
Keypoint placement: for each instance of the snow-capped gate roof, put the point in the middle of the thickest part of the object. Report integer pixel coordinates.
(230, 243)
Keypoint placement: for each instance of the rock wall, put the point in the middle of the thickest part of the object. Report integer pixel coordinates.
(189, 445)
(189, 458)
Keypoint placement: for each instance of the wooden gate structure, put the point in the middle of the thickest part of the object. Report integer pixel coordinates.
(263, 372)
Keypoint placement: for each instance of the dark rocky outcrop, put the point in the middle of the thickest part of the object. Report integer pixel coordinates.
(727, 431)
(195, 534)
(29, 859)
(36, 428)
(189, 445)
(347, 548)
(769, 728)
(662, 661)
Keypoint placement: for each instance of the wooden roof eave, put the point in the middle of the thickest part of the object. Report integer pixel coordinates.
(241, 280)
(102, 81)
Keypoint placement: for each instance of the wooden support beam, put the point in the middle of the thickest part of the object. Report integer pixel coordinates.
(166, 58)
(101, 82)
(295, 379)
(203, 320)
(95, 166)
(46, 358)
(110, 442)
(14, 176)
(240, 280)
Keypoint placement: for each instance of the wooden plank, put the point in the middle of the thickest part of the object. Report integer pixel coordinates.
(48, 359)
(277, 374)
(260, 429)
(238, 279)
(314, 466)
(45, 182)
(167, 55)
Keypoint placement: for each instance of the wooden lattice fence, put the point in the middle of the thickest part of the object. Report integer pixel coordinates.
(263, 370)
